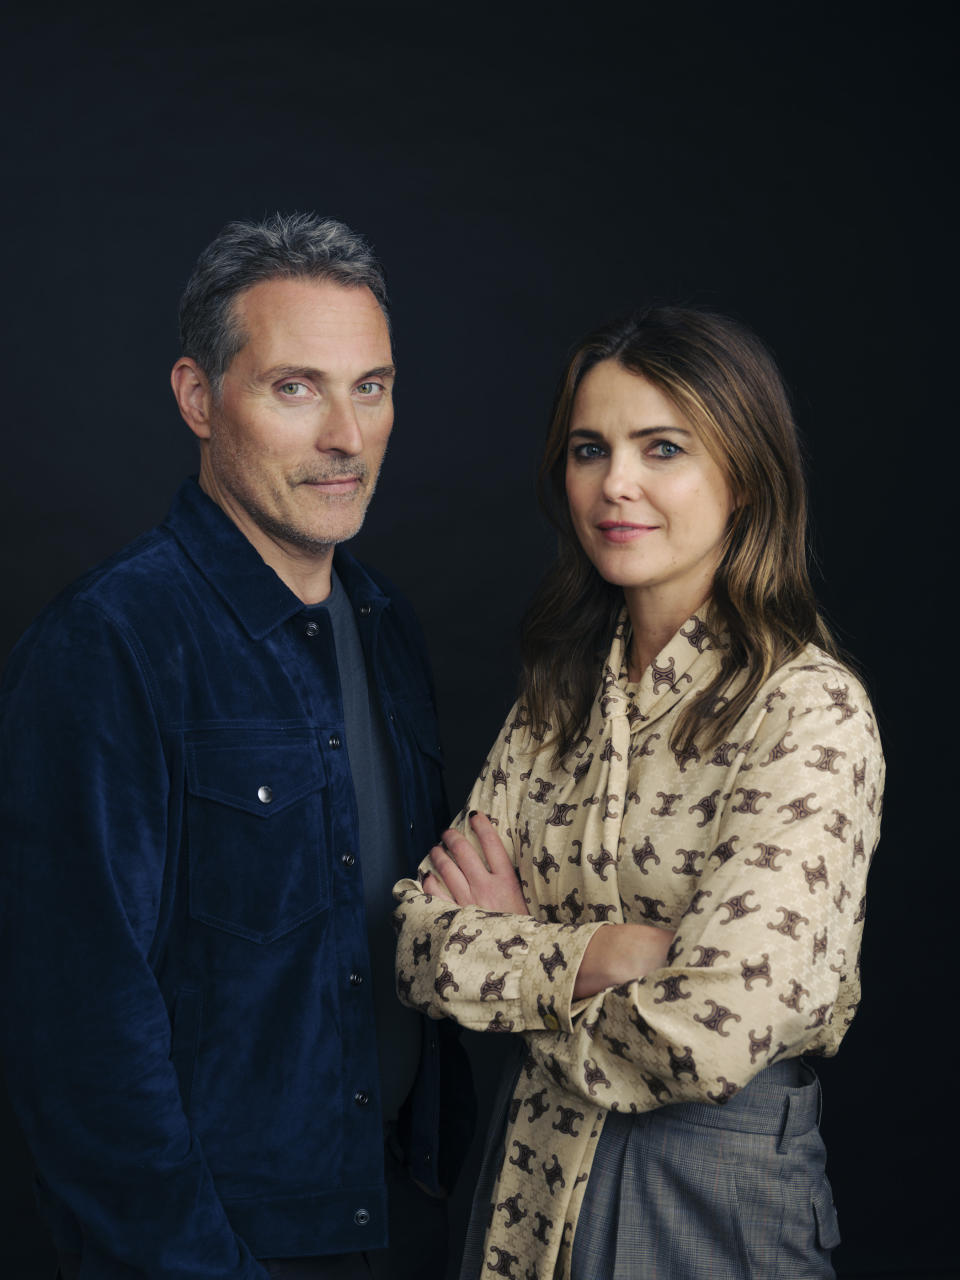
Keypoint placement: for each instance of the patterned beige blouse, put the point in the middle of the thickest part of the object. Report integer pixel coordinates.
(756, 853)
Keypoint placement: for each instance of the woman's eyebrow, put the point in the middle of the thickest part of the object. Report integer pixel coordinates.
(589, 434)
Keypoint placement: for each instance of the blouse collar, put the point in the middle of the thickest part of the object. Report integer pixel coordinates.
(687, 661)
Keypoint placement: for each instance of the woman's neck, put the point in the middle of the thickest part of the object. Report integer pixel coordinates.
(653, 623)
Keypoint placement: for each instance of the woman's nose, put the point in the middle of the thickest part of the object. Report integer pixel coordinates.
(622, 480)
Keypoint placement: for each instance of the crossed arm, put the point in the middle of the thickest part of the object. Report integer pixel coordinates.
(616, 953)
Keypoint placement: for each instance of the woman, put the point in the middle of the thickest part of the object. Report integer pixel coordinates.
(689, 791)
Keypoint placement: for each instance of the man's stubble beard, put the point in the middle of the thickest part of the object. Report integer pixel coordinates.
(227, 463)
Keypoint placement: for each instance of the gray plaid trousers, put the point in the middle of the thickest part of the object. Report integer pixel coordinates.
(700, 1192)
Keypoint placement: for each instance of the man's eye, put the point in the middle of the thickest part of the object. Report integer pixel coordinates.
(369, 388)
(292, 388)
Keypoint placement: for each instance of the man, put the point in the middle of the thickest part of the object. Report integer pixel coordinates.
(219, 752)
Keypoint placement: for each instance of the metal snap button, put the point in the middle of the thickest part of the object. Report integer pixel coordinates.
(334, 741)
(361, 1217)
(356, 979)
(364, 611)
(265, 795)
(312, 629)
(361, 1097)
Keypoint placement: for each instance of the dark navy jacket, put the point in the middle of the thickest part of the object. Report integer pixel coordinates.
(182, 909)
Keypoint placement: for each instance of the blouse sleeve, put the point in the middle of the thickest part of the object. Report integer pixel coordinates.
(487, 970)
(765, 962)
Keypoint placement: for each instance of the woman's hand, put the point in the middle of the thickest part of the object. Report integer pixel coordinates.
(459, 873)
(620, 953)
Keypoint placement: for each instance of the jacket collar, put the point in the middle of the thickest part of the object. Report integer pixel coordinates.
(235, 570)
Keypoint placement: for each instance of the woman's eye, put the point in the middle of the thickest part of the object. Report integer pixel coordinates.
(586, 452)
(666, 449)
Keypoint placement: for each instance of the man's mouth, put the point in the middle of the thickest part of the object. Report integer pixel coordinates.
(344, 483)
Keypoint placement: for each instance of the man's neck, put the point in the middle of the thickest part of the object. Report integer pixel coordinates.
(307, 575)
(305, 570)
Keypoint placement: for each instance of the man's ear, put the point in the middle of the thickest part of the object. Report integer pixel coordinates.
(194, 397)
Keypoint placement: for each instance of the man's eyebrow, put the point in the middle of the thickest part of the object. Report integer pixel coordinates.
(640, 433)
(318, 375)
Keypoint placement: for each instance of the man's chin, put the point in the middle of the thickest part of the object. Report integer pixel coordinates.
(315, 529)
(315, 539)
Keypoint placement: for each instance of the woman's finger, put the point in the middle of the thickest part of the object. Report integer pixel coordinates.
(502, 890)
(449, 872)
(498, 860)
(465, 855)
(433, 885)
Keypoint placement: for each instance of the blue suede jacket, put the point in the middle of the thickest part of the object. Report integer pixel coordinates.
(182, 909)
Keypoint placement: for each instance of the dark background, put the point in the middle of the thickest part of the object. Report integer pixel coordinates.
(525, 176)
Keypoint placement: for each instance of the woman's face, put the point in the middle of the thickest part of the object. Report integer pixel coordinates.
(648, 502)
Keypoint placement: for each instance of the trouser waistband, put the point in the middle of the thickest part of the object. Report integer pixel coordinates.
(782, 1100)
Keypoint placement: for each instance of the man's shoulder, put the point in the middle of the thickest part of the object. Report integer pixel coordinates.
(106, 615)
(139, 576)
(129, 592)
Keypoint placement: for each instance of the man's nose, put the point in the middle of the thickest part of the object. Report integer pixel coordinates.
(340, 431)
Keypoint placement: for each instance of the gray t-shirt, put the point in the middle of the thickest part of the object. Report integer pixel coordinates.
(381, 848)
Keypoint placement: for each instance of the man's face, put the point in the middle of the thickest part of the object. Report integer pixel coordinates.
(298, 433)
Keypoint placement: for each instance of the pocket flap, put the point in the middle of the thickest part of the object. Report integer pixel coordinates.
(261, 776)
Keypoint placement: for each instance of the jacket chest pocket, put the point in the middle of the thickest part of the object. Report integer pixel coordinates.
(255, 826)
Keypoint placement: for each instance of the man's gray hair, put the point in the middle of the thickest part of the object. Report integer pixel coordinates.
(282, 247)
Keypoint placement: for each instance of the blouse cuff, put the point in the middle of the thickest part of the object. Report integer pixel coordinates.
(549, 972)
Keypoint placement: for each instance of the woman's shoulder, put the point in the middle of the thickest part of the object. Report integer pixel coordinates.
(815, 695)
(817, 679)
(522, 734)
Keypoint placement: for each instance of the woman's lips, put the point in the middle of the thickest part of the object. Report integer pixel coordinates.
(621, 531)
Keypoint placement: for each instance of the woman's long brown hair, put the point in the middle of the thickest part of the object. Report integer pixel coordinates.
(727, 385)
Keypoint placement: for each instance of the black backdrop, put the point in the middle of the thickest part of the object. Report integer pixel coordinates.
(524, 176)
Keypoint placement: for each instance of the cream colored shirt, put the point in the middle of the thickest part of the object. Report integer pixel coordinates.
(756, 853)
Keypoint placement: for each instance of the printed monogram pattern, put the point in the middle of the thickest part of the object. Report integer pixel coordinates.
(755, 852)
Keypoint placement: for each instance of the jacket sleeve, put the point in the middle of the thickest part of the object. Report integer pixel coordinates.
(763, 958)
(85, 1033)
(457, 962)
